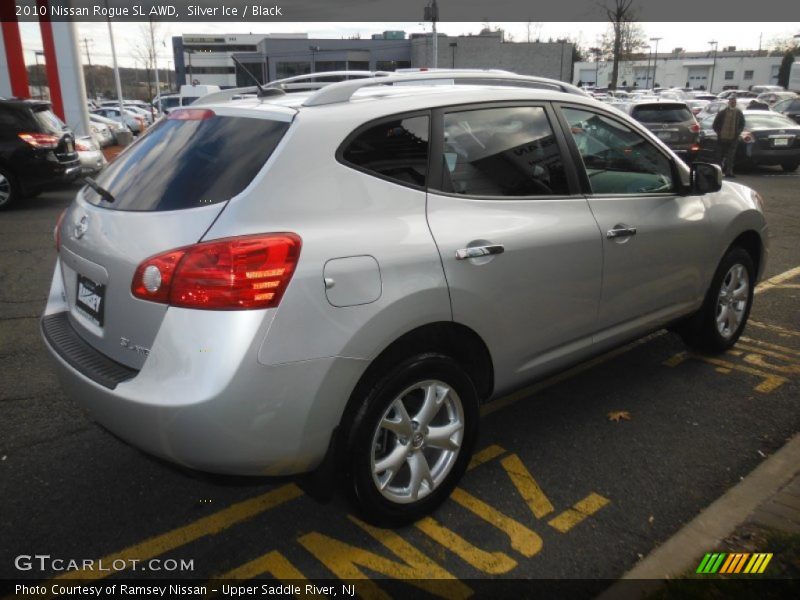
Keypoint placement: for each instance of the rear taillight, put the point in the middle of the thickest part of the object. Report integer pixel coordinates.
(57, 230)
(747, 137)
(191, 114)
(40, 140)
(694, 128)
(83, 146)
(246, 272)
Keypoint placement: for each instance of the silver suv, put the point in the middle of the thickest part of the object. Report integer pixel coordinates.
(338, 279)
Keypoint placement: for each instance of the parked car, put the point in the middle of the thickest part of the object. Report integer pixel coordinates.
(37, 150)
(136, 123)
(240, 316)
(696, 105)
(90, 156)
(114, 126)
(167, 102)
(145, 112)
(672, 122)
(102, 133)
(724, 95)
(789, 108)
(768, 139)
(772, 98)
(761, 89)
(712, 108)
(702, 95)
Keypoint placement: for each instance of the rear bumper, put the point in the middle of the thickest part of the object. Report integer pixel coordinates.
(263, 421)
(203, 400)
(765, 156)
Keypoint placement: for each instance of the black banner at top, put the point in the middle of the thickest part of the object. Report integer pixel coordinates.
(396, 10)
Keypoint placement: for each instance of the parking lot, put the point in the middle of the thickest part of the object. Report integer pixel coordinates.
(557, 489)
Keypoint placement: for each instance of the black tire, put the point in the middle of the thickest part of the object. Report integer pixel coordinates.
(368, 443)
(9, 189)
(702, 331)
(790, 167)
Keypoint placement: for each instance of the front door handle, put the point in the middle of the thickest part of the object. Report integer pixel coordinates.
(479, 251)
(620, 231)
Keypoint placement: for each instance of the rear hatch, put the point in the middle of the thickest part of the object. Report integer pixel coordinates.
(47, 122)
(167, 190)
(673, 123)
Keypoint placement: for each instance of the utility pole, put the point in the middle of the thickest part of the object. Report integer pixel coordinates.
(432, 14)
(155, 64)
(116, 68)
(714, 67)
(655, 58)
(91, 71)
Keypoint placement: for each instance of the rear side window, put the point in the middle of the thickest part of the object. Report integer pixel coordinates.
(508, 151)
(395, 149)
(661, 114)
(183, 164)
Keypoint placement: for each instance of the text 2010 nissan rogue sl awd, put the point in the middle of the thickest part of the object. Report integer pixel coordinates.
(343, 276)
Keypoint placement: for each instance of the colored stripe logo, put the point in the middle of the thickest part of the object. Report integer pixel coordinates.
(734, 563)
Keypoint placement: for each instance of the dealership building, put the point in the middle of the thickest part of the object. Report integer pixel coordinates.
(725, 69)
(207, 59)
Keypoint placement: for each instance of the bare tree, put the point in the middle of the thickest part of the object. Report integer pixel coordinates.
(146, 50)
(621, 15)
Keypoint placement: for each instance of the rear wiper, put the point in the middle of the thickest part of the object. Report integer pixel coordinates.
(99, 189)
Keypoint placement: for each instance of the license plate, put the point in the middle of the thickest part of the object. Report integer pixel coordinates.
(70, 147)
(664, 135)
(90, 299)
(780, 142)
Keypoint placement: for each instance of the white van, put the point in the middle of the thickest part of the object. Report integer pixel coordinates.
(190, 93)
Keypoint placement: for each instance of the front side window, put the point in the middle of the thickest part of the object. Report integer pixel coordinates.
(395, 149)
(618, 160)
(509, 151)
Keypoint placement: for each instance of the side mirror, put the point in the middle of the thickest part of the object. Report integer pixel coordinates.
(705, 178)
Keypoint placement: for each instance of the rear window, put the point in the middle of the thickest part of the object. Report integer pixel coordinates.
(180, 164)
(768, 121)
(669, 113)
(48, 121)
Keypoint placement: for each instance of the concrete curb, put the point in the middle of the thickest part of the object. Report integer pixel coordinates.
(683, 550)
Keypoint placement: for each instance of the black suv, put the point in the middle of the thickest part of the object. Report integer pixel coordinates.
(36, 150)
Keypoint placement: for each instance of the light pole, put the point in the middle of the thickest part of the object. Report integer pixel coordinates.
(647, 72)
(655, 58)
(453, 46)
(431, 13)
(38, 53)
(597, 53)
(314, 50)
(714, 66)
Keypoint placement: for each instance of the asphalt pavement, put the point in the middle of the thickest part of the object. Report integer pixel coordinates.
(557, 490)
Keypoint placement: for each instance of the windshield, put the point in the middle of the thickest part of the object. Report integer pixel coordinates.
(187, 163)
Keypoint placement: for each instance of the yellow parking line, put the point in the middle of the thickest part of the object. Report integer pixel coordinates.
(273, 563)
(777, 280)
(210, 525)
(527, 487)
(776, 328)
(485, 455)
(579, 511)
(774, 347)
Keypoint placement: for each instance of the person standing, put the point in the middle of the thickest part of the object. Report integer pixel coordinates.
(728, 124)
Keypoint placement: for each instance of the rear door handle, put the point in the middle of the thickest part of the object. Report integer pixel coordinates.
(478, 251)
(619, 232)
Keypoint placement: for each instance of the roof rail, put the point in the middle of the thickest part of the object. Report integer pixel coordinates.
(296, 83)
(344, 90)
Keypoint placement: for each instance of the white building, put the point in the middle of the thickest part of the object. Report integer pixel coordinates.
(730, 69)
